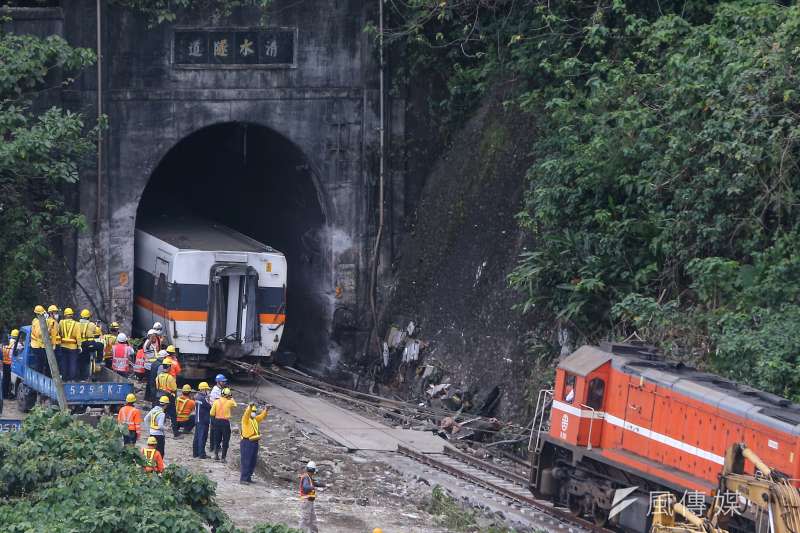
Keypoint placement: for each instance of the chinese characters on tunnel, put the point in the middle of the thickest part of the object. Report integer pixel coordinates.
(262, 47)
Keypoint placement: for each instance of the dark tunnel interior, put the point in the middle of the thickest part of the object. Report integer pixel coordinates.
(257, 182)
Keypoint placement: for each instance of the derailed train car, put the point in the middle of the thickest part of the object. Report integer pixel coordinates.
(219, 293)
(623, 425)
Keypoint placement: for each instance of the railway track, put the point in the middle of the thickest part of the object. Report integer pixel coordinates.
(508, 484)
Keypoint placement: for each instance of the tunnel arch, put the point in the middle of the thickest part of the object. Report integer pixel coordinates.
(253, 179)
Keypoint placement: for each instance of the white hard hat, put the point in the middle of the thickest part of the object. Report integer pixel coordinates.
(157, 326)
(311, 466)
(152, 332)
(122, 338)
(163, 353)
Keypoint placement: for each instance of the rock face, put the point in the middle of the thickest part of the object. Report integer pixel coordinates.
(262, 122)
(452, 272)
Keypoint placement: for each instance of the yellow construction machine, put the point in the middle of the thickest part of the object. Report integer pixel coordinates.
(762, 502)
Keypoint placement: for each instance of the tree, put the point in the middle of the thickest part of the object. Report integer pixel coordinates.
(40, 155)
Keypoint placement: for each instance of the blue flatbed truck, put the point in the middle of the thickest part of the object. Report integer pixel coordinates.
(106, 388)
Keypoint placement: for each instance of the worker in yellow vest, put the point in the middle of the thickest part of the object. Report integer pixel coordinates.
(68, 350)
(109, 340)
(38, 356)
(251, 434)
(167, 386)
(87, 344)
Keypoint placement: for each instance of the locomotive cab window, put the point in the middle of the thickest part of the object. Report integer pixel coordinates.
(597, 389)
(568, 394)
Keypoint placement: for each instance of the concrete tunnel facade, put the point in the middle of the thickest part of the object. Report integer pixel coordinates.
(310, 113)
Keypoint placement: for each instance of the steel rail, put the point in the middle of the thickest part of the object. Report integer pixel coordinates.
(518, 496)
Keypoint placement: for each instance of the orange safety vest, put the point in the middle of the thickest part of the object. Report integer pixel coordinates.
(7, 350)
(138, 363)
(312, 494)
(120, 361)
(150, 461)
(183, 408)
(128, 415)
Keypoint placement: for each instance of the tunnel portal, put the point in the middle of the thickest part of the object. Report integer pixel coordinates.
(256, 181)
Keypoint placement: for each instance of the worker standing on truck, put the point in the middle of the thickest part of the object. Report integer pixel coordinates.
(87, 344)
(250, 436)
(38, 355)
(109, 340)
(9, 350)
(153, 458)
(131, 419)
(221, 424)
(97, 356)
(52, 329)
(184, 409)
(156, 421)
(308, 494)
(202, 418)
(167, 387)
(67, 353)
(121, 356)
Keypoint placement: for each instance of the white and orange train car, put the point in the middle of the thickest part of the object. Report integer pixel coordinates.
(218, 293)
(623, 418)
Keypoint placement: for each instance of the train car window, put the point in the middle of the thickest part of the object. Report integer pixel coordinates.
(597, 388)
(569, 389)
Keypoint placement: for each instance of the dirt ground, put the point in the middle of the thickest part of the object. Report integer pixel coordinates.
(359, 494)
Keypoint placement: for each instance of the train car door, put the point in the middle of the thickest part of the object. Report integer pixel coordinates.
(636, 436)
(161, 281)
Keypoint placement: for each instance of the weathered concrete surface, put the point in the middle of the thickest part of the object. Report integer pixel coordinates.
(325, 105)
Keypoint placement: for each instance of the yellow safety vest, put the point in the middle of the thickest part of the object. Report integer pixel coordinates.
(154, 420)
(109, 340)
(166, 382)
(67, 327)
(254, 428)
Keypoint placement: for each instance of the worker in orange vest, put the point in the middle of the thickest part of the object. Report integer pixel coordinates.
(131, 418)
(121, 356)
(184, 409)
(153, 462)
(175, 367)
(9, 350)
(308, 493)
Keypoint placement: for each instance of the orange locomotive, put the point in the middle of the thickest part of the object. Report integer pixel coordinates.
(623, 418)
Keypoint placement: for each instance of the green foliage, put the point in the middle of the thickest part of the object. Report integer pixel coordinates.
(58, 474)
(40, 154)
(663, 200)
(454, 517)
(161, 11)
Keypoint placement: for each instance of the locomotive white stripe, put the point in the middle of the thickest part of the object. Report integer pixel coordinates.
(642, 432)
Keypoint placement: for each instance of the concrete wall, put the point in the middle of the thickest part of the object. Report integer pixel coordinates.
(325, 104)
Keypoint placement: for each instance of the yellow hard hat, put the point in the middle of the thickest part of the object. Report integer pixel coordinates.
(163, 399)
(114, 325)
(97, 331)
(52, 309)
(68, 311)
(203, 386)
(377, 530)
(39, 310)
(86, 314)
(226, 391)
(167, 361)
(152, 441)
(15, 334)
(187, 388)
(130, 398)
(171, 349)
